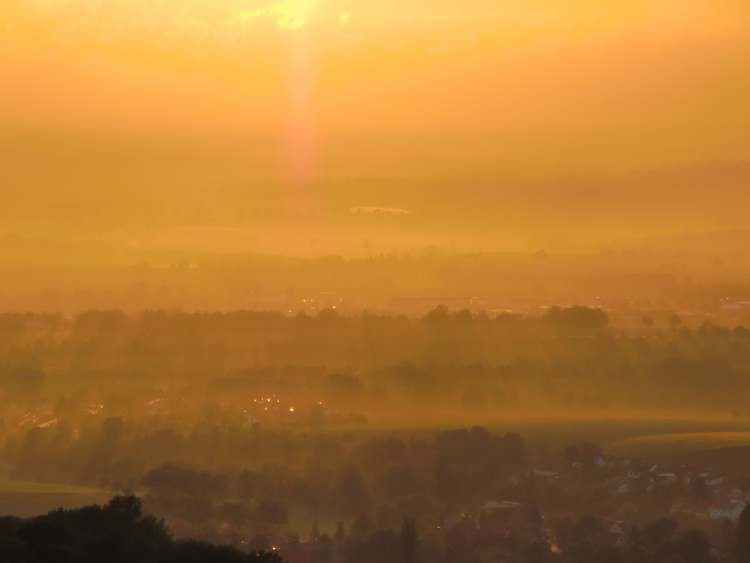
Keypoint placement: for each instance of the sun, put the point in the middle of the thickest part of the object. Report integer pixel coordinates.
(289, 14)
(294, 14)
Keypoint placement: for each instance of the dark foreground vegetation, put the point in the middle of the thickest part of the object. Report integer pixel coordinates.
(332, 439)
(119, 533)
(115, 533)
(454, 496)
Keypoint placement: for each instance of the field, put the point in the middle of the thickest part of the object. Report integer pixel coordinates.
(722, 444)
(678, 443)
(22, 498)
(631, 435)
(627, 435)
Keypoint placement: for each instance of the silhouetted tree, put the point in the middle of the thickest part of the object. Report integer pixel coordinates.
(743, 536)
(409, 541)
(340, 535)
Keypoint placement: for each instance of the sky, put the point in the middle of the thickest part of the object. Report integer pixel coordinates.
(309, 127)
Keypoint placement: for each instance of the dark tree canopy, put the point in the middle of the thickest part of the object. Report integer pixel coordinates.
(115, 533)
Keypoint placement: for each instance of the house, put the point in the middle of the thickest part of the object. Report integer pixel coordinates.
(619, 531)
(548, 475)
(666, 478)
(730, 509)
(687, 507)
(494, 506)
(715, 482)
(503, 518)
(623, 489)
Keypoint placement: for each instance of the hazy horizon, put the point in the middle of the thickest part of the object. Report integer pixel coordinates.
(375, 281)
(310, 128)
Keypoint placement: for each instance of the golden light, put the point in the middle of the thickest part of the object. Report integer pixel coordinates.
(295, 14)
(289, 14)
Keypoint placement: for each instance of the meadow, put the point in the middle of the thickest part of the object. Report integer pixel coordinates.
(25, 498)
(678, 443)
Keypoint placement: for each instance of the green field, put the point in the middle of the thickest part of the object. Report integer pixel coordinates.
(23, 498)
(626, 437)
(27, 487)
(678, 443)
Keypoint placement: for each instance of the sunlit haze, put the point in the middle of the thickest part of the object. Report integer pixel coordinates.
(251, 126)
(374, 281)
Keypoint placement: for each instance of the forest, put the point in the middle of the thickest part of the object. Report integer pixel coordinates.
(337, 438)
(336, 370)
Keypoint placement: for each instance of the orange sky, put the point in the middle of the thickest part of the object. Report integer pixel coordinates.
(393, 66)
(157, 118)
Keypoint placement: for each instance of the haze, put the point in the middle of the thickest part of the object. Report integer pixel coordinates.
(374, 281)
(229, 126)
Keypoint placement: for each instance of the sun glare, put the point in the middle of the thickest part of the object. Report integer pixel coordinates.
(294, 14)
(289, 14)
